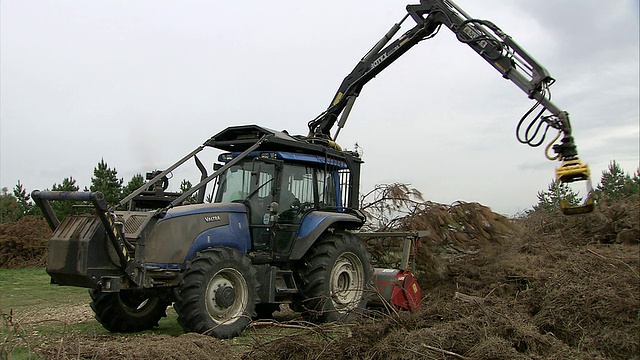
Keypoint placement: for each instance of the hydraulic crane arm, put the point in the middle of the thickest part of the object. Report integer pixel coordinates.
(500, 51)
(376, 60)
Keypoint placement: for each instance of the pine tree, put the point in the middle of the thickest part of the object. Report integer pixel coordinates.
(550, 200)
(10, 209)
(106, 181)
(23, 198)
(615, 184)
(136, 181)
(635, 181)
(633, 184)
(68, 184)
(64, 208)
(185, 186)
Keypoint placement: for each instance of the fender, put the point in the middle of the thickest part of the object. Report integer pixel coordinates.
(235, 235)
(315, 224)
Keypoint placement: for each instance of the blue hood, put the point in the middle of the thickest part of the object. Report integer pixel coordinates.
(205, 209)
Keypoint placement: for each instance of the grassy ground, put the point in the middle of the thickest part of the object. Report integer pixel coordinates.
(35, 312)
(25, 288)
(36, 315)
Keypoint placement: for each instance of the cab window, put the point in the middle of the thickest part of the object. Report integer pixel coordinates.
(244, 180)
(303, 188)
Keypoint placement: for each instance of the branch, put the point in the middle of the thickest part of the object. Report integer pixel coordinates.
(606, 258)
(458, 356)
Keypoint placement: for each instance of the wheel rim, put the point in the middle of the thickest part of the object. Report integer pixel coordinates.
(347, 282)
(225, 283)
(135, 302)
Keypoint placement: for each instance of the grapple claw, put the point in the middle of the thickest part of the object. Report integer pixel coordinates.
(571, 171)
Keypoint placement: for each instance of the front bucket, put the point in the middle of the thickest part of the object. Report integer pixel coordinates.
(80, 253)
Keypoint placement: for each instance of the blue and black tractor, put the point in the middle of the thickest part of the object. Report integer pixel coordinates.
(277, 231)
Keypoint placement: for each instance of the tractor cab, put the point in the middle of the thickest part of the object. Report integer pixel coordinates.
(279, 189)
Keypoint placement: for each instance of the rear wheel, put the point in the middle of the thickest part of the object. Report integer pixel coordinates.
(218, 293)
(335, 275)
(128, 310)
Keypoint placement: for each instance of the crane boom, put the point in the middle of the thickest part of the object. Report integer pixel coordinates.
(494, 46)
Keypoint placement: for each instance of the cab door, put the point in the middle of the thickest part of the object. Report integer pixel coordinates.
(253, 184)
(301, 189)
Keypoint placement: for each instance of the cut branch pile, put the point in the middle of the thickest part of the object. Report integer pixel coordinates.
(23, 244)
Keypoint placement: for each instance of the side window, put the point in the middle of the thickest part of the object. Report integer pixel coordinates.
(296, 191)
(326, 188)
(265, 184)
(296, 187)
(301, 185)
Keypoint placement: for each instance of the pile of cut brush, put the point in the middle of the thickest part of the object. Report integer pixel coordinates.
(542, 286)
(23, 244)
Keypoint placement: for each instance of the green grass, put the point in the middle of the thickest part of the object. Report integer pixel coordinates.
(28, 288)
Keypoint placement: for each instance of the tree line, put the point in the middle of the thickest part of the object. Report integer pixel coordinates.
(18, 203)
(615, 184)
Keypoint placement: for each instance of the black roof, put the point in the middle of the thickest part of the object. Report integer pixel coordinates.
(240, 138)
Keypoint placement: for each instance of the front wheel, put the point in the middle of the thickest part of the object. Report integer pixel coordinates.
(218, 293)
(128, 310)
(335, 275)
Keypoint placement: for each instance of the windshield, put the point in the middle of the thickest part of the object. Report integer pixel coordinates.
(251, 178)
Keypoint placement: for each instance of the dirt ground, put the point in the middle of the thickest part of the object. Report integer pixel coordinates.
(142, 346)
(541, 286)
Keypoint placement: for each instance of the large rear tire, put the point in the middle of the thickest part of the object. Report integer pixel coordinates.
(217, 295)
(335, 276)
(128, 310)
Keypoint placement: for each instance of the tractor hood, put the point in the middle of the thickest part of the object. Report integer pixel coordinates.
(205, 209)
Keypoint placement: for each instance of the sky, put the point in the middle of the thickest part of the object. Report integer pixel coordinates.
(142, 83)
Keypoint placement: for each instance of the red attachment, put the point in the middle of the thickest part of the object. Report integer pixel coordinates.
(406, 293)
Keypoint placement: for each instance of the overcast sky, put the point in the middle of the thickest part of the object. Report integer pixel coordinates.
(142, 83)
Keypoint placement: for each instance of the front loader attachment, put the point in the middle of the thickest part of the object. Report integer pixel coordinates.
(83, 248)
(571, 171)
